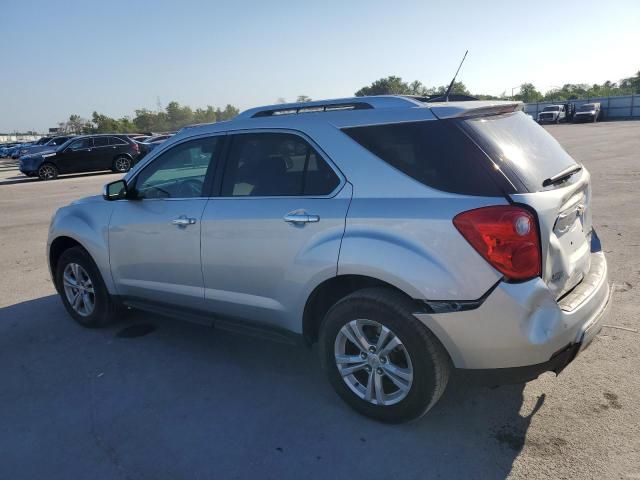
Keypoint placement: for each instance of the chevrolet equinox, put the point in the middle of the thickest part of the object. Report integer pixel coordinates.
(408, 238)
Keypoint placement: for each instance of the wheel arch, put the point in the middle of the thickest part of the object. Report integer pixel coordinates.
(330, 291)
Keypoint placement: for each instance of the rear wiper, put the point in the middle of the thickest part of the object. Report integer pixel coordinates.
(562, 176)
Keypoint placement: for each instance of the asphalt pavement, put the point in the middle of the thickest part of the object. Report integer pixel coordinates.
(155, 398)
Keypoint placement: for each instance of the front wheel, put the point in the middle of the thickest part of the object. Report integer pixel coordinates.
(47, 171)
(380, 359)
(122, 164)
(82, 289)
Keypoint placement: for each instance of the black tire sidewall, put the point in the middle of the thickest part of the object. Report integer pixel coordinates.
(103, 308)
(409, 331)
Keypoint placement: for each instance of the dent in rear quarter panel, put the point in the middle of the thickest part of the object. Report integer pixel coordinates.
(87, 222)
(411, 243)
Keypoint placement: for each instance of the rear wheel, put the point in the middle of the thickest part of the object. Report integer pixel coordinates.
(47, 171)
(122, 164)
(380, 359)
(82, 289)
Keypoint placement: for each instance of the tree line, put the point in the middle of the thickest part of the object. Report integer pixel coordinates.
(175, 116)
(527, 92)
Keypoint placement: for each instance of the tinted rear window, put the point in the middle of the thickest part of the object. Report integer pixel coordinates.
(435, 152)
(521, 147)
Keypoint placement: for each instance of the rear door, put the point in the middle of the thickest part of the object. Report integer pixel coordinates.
(535, 162)
(275, 228)
(101, 154)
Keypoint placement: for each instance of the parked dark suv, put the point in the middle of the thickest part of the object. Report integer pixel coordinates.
(88, 153)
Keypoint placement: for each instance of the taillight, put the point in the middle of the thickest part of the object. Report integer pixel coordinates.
(136, 147)
(506, 236)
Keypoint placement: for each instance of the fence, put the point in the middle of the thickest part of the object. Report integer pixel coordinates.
(622, 107)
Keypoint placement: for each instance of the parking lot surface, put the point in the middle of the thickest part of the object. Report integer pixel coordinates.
(172, 400)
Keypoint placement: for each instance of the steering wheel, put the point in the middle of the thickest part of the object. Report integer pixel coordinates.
(191, 188)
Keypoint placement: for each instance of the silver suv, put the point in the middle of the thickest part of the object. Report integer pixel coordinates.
(408, 238)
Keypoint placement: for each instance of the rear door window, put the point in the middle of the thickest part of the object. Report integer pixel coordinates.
(275, 164)
(434, 152)
(521, 147)
(100, 141)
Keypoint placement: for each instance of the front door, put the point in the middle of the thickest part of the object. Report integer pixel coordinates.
(154, 239)
(274, 230)
(76, 157)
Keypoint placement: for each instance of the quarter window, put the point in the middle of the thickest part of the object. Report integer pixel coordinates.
(180, 172)
(116, 141)
(275, 164)
(433, 152)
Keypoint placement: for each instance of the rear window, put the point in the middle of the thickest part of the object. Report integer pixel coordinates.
(435, 153)
(520, 147)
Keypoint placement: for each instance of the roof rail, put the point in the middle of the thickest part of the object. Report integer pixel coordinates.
(353, 103)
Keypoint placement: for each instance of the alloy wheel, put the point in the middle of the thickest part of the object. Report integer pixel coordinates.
(78, 288)
(47, 172)
(122, 164)
(373, 362)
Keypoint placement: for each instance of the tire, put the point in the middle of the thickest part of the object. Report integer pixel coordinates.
(104, 309)
(419, 354)
(47, 171)
(121, 164)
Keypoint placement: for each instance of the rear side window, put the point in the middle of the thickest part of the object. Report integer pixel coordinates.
(100, 141)
(275, 164)
(435, 153)
(520, 147)
(116, 141)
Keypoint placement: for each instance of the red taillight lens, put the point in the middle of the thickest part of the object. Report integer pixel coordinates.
(136, 147)
(506, 236)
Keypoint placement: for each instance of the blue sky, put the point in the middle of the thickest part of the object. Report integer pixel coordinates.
(114, 56)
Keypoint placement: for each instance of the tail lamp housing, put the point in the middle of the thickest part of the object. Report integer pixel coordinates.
(506, 236)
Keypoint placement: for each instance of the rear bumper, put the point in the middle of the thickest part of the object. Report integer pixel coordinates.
(522, 325)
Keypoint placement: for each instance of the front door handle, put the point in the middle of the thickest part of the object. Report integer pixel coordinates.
(295, 217)
(183, 221)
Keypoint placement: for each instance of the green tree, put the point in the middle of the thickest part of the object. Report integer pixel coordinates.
(528, 93)
(458, 88)
(178, 116)
(386, 86)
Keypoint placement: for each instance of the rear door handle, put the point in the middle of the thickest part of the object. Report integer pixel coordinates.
(183, 221)
(301, 218)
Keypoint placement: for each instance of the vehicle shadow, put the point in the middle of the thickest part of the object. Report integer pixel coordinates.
(24, 179)
(152, 397)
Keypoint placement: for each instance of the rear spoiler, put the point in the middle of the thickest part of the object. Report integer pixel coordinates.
(473, 109)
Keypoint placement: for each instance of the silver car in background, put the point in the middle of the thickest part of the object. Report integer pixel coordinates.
(408, 238)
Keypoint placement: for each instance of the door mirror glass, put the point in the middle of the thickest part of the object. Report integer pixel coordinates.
(115, 190)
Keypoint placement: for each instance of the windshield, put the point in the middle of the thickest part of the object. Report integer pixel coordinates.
(551, 109)
(518, 144)
(587, 107)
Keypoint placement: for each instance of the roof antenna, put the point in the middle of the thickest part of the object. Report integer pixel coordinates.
(446, 95)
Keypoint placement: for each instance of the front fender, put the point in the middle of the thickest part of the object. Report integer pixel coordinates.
(88, 224)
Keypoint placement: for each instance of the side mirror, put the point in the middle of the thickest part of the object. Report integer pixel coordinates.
(115, 190)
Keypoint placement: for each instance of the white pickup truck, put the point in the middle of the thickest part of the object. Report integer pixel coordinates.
(553, 114)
